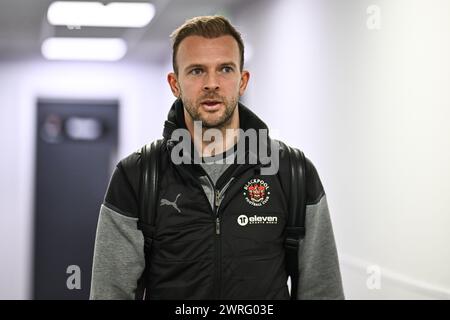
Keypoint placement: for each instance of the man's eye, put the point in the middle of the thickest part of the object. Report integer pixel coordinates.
(227, 69)
(196, 71)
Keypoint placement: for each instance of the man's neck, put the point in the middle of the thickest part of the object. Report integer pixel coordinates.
(205, 140)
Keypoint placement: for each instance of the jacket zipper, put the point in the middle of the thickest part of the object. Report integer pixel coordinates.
(218, 244)
(217, 230)
(217, 225)
(218, 196)
(217, 239)
(216, 207)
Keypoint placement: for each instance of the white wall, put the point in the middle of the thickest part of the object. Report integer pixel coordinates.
(144, 101)
(370, 108)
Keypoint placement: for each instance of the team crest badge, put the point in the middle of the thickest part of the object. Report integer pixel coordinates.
(256, 192)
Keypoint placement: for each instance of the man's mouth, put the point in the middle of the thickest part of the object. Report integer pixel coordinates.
(211, 105)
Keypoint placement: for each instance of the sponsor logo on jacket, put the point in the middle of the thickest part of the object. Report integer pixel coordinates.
(244, 220)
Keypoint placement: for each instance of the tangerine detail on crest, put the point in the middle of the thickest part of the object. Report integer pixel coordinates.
(256, 192)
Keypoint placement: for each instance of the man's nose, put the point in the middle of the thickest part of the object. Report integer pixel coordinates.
(211, 83)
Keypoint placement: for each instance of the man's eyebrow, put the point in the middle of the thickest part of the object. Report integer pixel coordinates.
(231, 63)
(197, 65)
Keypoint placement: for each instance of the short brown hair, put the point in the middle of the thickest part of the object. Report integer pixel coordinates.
(208, 27)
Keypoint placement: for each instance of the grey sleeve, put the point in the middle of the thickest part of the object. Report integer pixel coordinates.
(320, 276)
(118, 256)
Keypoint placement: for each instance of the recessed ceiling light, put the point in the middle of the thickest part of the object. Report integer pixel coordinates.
(104, 49)
(96, 14)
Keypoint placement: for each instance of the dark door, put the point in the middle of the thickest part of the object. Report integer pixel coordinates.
(76, 147)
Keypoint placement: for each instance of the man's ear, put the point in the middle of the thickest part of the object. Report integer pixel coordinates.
(245, 76)
(173, 83)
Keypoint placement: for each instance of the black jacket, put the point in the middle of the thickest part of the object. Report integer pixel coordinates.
(222, 241)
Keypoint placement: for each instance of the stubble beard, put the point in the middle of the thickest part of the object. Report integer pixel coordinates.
(220, 122)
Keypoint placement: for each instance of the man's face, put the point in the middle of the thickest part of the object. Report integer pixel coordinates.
(209, 81)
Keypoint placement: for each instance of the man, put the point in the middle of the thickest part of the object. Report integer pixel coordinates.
(219, 229)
